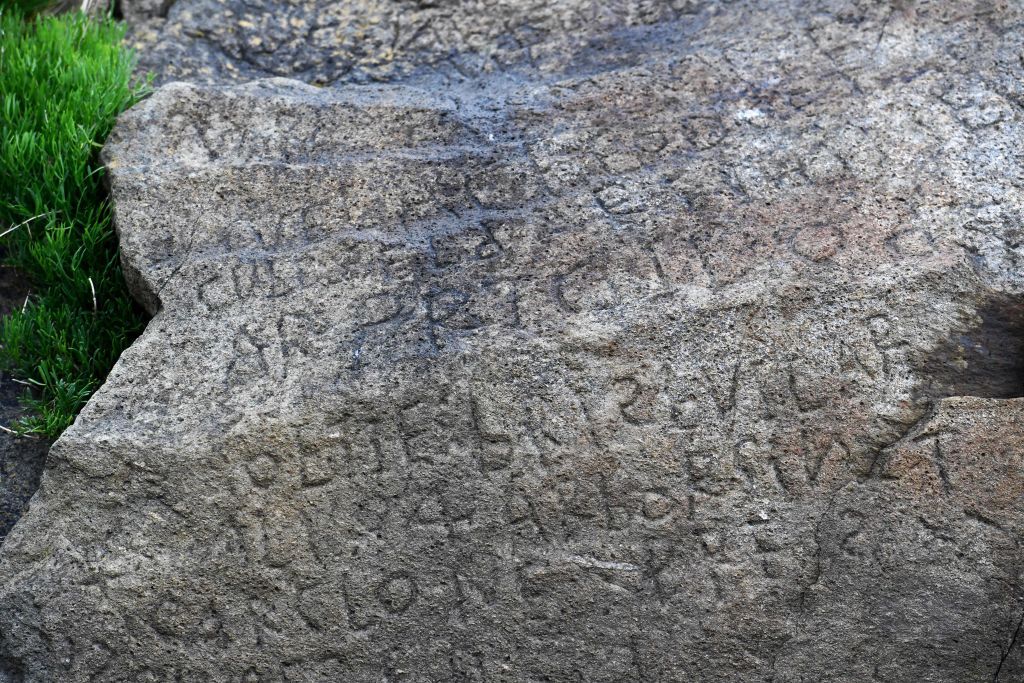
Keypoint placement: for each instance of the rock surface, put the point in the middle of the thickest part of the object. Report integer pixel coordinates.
(605, 341)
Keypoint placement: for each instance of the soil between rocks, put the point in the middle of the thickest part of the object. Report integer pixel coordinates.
(21, 458)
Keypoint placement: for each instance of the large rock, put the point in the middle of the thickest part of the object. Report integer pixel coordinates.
(609, 341)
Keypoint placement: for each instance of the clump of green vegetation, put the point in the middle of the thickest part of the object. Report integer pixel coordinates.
(63, 81)
(26, 7)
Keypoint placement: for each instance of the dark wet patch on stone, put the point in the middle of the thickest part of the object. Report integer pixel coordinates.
(986, 360)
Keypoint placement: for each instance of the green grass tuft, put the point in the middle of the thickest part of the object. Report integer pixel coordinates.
(63, 81)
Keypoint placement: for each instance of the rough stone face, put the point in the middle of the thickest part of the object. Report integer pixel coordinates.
(606, 342)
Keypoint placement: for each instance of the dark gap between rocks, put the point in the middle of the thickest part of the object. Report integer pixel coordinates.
(21, 458)
(986, 361)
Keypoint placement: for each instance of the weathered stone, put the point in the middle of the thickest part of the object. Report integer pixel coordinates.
(618, 341)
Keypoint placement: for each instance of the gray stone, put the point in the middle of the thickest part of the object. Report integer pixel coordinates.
(605, 341)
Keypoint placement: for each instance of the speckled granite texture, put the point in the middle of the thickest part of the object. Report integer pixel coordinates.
(553, 341)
